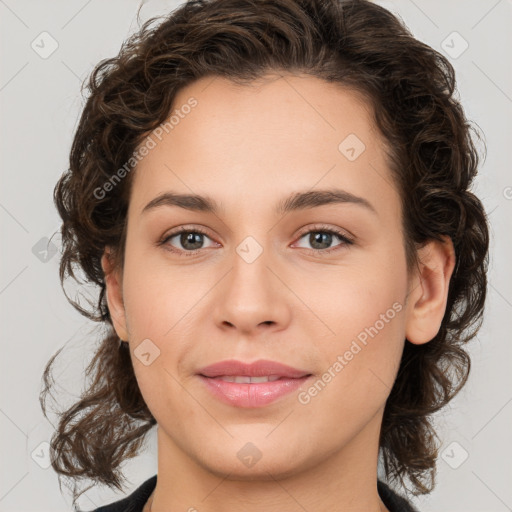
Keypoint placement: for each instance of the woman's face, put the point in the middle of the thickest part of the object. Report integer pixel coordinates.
(270, 276)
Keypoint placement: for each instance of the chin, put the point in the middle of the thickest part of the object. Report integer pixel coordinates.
(244, 459)
(264, 470)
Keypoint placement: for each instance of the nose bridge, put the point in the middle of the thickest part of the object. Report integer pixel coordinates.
(250, 275)
(251, 293)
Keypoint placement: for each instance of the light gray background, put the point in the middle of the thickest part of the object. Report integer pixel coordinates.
(40, 103)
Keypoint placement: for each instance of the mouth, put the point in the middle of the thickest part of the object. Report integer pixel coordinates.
(244, 379)
(260, 368)
(251, 385)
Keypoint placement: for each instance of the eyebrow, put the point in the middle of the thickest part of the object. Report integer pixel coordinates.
(297, 201)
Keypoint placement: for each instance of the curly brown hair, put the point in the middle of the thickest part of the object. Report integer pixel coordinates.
(431, 154)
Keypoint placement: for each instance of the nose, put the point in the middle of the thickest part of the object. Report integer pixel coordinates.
(252, 298)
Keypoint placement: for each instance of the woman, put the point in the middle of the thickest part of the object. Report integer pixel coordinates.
(273, 198)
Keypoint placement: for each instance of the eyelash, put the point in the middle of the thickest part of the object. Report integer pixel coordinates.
(316, 229)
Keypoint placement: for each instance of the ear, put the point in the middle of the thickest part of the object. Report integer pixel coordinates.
(114, 293)
(428, 290)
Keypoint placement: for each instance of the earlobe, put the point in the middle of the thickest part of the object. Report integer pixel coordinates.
(114, 294)
(429, 290)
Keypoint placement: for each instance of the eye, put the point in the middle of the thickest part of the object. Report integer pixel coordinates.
(191, 240)
(320, 237)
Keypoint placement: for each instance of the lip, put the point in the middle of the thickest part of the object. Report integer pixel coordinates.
(258, 368)
(251, 395)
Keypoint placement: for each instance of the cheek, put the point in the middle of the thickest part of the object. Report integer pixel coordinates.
(161, 306)
(154, 298)
(359, 362)
(365, 312)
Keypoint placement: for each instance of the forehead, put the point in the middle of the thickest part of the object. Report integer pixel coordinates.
(282, 133)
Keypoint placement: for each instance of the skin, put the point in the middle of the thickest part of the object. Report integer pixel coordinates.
(248, 147)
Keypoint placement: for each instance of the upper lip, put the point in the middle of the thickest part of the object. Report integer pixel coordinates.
(258, 368)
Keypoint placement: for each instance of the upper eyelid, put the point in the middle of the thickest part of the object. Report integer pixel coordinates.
(323, 227)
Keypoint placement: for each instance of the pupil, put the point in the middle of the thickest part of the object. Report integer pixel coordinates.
(318, 236)
(189, 237)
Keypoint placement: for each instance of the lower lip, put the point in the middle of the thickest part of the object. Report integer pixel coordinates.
(256, 394)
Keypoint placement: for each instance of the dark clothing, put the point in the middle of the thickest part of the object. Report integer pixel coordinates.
(393, 501)
(135, 502)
